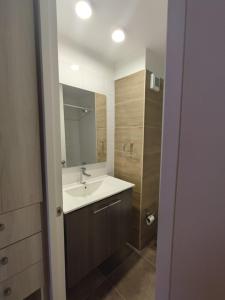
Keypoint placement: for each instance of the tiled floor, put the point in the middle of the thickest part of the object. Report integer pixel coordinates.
(129, 275)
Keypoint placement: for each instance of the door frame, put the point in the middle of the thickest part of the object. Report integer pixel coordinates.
(170, 146)
(48, 54)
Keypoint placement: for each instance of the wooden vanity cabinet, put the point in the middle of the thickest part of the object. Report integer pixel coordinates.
(94, 233)
(119, 216)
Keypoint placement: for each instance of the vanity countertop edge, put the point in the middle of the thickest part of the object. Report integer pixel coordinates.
(71, 204)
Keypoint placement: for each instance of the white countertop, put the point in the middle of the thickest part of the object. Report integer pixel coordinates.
(76, 195)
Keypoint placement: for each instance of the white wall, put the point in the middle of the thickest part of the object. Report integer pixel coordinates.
(130, 67)
(148, 60)
(93, 75)
(155, 63)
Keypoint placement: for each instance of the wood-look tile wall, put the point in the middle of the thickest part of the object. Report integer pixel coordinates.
(129, 136)
(151, 159)
(21, 196)
(101, 127)
(138, 118)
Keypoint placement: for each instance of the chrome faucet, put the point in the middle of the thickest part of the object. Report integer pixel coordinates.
(82, 174)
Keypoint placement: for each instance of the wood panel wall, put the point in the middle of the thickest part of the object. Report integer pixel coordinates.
(129, 138)
(21, 194)
(101, 127)
(138, 118)
(151, 159)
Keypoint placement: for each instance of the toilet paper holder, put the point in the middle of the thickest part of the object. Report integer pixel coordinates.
(150, 218)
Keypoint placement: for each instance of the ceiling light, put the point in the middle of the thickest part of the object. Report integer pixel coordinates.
(83, 10)
(75, 67)
(118, 36)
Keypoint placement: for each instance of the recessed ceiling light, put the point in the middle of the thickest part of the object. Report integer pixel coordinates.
(118, 36)
(75, 67)
(83, 9)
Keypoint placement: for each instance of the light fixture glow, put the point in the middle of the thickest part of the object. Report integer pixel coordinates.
(75, 67)
(118, 36)
(83, 10)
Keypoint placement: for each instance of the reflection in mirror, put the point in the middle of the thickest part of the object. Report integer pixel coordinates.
(84, 115)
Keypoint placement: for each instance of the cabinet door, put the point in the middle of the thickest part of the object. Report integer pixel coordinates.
(99, 234)
(87, 240)
(20, 162)
(77, 240)
(119, 220)
(94, 233)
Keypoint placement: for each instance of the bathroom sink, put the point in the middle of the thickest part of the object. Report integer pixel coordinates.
(85, 190)
(76, 196)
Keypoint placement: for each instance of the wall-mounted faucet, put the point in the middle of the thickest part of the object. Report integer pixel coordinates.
(82, 174)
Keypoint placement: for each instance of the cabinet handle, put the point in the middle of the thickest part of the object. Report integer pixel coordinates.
(105, 207)
(115, 203)
(7, 292)
(2, 227)
(101, 209)
(4, 261)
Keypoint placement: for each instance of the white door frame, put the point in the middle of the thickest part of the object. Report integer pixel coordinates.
(52, 145)
(53, 169)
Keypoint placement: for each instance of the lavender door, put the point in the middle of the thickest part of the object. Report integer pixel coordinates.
(191, 255)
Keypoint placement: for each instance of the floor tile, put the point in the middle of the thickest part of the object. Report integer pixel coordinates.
(115, 260)
(113, 295)
(106, 292)
(127, 275)
(87, 286)
(135, 279)
(149, 253)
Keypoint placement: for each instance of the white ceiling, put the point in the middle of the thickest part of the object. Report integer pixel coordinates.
(144, 22)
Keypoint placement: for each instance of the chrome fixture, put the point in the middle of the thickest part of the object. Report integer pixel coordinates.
(82, 174)
(84, 109)
(150, 219)
(155, 83)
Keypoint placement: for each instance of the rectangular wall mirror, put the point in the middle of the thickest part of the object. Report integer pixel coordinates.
(83, 127)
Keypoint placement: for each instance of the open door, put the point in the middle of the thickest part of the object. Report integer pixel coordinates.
(191, 245)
